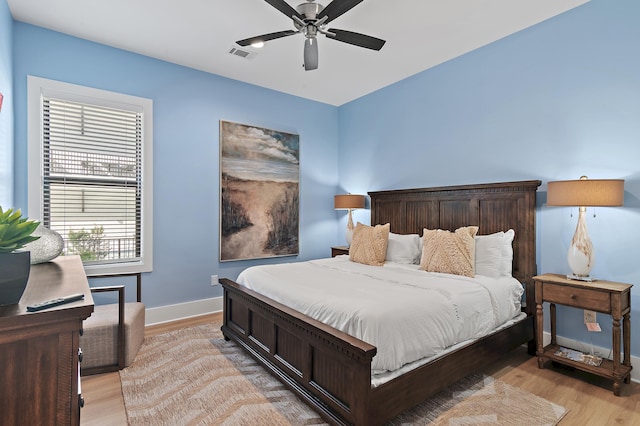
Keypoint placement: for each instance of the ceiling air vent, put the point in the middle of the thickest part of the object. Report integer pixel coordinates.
(243, 53)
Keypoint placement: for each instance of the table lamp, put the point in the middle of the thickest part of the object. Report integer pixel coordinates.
(348, 202)
(582, 193)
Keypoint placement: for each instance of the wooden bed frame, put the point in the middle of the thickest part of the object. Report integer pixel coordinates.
(331, 370)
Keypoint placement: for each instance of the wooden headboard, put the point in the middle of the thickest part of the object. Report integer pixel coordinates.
(492, 207)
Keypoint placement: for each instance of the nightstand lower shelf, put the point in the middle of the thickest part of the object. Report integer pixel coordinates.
(604, 370)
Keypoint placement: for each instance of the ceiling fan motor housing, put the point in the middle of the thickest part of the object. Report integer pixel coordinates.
(309, 10)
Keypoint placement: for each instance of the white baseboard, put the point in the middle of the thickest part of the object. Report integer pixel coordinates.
(179, 311)
(600, 351)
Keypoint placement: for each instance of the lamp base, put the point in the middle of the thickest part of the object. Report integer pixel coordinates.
(580, 256)
(348, 236)
(587, 278)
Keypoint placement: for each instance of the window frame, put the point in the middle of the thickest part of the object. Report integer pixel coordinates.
(37, 89)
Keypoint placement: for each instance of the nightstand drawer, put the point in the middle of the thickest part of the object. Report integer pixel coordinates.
(579, 297)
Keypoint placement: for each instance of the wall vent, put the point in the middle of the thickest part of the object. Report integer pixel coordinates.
(246, 54)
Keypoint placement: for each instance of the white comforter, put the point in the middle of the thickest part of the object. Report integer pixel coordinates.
(408, 314)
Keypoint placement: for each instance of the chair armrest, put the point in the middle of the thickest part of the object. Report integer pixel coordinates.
(121, 301)
(138, 276)
(104, 289)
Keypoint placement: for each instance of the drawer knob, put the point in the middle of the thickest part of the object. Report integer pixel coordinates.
(573, 297)
(80, 401)
(80, 355)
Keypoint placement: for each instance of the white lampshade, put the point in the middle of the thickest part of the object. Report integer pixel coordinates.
(582, 193)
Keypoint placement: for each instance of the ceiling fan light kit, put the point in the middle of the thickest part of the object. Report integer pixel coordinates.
(310, 18)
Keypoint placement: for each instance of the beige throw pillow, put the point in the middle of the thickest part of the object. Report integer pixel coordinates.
(369, 244)
(449, 252)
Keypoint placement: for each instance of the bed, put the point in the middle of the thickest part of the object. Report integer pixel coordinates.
(332, 370)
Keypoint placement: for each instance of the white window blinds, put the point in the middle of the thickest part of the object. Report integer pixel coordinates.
(91, 173)
(92, 179)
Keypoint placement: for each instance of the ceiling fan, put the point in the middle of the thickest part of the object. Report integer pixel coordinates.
(310, 19)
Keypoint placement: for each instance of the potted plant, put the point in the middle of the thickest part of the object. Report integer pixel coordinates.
(15, 232)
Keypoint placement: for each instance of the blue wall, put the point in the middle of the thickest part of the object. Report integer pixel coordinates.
(188, 105)
(6, 115)
(553, 102)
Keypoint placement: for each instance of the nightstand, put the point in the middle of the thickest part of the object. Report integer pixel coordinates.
(601, 296)
(338, 250)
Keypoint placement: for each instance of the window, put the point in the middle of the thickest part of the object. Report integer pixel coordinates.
(90, 173)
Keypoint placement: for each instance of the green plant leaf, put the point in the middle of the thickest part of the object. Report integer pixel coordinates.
(15, 230)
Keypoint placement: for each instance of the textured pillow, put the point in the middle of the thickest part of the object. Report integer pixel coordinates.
(369, 244)
(449, 252)
(404, 248)
(494, 254)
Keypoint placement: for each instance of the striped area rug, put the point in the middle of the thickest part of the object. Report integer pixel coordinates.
(192, 376)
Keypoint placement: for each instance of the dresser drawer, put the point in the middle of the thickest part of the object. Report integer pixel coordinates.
(579, 297)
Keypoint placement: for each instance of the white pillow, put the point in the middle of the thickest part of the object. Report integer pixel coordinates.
(405, 249)
(494, 254)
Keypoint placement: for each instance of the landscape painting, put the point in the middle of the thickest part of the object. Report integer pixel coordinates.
(259, 192)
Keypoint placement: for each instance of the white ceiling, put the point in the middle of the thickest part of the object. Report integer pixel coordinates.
(199, 33)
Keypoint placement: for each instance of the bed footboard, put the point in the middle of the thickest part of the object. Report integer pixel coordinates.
(327, 368)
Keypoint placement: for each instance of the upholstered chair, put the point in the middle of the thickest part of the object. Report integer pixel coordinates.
(113, 334)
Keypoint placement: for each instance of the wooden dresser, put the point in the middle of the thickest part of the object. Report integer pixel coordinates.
(39, 380)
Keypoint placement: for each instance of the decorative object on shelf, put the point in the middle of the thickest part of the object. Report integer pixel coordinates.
(259, 192)
(584, 193)
(47, 247)
(15, 233)
(349, 202)
(578, 356)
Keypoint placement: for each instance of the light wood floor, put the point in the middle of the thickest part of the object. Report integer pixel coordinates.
(589, 399)
(102, 393)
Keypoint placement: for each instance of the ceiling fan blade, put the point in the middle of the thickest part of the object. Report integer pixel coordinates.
(310, 54)
(356, 39)
(284, 7)
(337, 8)
(266, 37)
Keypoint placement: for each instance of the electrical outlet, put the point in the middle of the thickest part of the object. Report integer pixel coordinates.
(589, 317)
(214, 280)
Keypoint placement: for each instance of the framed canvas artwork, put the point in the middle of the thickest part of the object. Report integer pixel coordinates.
(259, 192)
